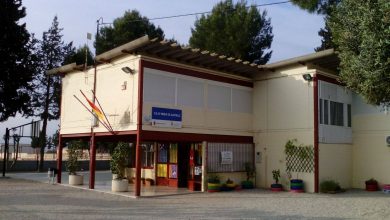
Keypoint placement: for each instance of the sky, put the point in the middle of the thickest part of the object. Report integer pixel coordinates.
(295, 31)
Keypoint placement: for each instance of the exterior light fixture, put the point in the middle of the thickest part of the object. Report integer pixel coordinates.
(128, 70)
(307, 77)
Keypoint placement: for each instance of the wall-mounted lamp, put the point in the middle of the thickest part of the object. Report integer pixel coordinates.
(128, 70)
(307, 77)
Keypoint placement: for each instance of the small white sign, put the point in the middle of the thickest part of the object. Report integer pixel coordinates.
(166, 124)
(198, 170)
(226, 157)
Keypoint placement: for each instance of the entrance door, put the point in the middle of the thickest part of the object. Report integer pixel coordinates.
(183, 166)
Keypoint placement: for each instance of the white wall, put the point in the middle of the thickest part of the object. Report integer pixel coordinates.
(371, 154)
(116, 91)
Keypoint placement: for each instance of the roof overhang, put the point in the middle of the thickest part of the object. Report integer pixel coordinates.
(65, 69)
(325, 60)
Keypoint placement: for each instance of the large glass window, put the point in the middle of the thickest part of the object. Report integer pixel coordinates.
(148, 155)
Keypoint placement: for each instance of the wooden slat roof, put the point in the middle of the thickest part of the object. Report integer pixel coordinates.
(167, 50)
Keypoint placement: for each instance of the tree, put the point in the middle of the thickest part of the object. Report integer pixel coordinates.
(234, 30)
(124, 29)
(316, 6)
(47, 89)
(324, 7)
(79, 56)
(361, 30)
(16, 60)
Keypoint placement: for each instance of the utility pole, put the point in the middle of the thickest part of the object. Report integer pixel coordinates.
(5, 150)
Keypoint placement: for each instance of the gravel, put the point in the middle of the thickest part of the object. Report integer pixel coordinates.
(25, 199)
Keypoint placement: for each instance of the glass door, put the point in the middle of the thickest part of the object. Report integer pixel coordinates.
(195, 167)
(162, 164)
(173, 169)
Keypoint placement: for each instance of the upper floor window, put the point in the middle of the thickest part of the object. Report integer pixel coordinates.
(334, 113)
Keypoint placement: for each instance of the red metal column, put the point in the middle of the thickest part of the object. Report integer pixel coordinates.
(139, 130)
(59, 159)
(316, 156)
(92, 162)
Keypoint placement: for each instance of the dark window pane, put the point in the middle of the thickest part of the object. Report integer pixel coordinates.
(326, 112)
(349, 115)
(336, 113)
(321, 112)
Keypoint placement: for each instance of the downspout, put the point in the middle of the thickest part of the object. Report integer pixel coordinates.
(59, 158)
(139, 131)
(316, 154)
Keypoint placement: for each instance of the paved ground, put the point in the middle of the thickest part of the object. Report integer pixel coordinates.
(103, 184)
(26, 199)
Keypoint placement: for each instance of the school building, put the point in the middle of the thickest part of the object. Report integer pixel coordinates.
(189, 113)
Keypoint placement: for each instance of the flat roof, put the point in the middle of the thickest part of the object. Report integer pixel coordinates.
(326, 59)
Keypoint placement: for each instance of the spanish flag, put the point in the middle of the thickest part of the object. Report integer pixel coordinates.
(96, 110)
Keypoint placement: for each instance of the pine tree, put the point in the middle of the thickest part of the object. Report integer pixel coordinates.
(47, 89)
(234, 30)
(125, 29)
(82, 55)
(323, 7)
(16, 60)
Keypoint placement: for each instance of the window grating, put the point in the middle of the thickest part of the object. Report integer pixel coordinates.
(241, 154)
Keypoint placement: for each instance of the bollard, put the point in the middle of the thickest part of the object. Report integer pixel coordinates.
(51, 173)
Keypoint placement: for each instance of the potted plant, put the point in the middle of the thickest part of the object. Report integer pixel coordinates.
(117, 165)
(371, 185)
(229, 185)
(276, 187)
(73, 164)
(250, 174)
(213, 183)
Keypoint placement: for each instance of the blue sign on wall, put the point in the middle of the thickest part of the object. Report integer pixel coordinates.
(165, 117)
(166, 114)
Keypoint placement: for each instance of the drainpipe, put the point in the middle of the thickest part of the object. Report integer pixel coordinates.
(139, 131)
(59, 158)
(316, 155)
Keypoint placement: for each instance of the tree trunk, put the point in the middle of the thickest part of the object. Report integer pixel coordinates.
(42, 136)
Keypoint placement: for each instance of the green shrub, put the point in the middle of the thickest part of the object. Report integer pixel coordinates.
(119, 159)
(327, 186)
(74, 153)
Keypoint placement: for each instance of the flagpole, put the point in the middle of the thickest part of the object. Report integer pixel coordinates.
(111, 131)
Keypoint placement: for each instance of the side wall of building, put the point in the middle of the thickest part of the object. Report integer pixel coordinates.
(371, 153)
(116, 91)
(335, 133)
(283, 110)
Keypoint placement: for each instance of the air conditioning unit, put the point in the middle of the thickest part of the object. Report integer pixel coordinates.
(388, 141)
